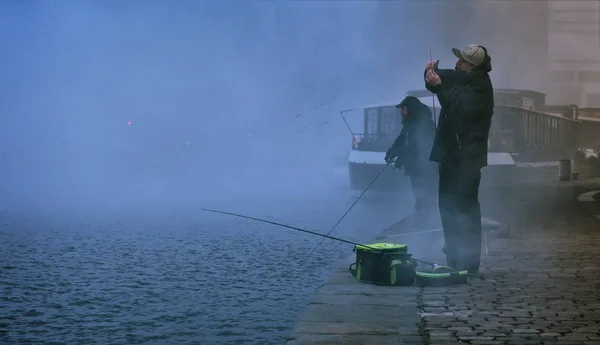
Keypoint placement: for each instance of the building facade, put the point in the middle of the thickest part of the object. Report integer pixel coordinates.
(574, 53)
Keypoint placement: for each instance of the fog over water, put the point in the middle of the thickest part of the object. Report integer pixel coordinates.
(120, 120)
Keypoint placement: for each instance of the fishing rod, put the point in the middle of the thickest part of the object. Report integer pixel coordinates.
(433, 95)
(289, 227)
(307, 231)
(347, 211)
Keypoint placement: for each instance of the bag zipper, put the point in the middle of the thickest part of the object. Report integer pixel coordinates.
(458, 141)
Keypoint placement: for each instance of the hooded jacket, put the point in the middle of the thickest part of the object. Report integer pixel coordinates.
(414, 144)
(467, 102)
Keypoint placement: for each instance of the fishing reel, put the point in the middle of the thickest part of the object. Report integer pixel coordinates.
(394, 163)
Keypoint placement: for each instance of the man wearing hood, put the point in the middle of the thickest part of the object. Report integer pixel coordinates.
(460, 146)
(411, 151)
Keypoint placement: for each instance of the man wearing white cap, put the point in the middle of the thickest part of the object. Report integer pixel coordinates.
(460, 146)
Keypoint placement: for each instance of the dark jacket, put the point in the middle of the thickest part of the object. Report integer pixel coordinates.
(467, 103)
(413, 145)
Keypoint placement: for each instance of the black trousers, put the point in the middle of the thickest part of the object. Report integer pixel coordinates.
(423, 189)
(460, 212)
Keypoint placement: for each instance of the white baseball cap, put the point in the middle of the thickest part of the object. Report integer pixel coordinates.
(472, 53)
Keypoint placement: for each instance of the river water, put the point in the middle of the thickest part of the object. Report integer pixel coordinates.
(172, 274)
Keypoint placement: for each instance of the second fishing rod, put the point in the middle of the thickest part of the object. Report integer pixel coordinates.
(312, 232)
(323, 236)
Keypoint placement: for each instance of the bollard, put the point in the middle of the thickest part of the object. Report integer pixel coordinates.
(564, 170)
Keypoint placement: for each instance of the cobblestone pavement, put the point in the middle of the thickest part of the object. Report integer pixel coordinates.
(541, 287)
(541, 283)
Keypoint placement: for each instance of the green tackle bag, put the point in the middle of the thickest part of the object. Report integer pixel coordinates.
(384, 264)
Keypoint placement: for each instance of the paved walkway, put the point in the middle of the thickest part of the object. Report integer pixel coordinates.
(541, 286)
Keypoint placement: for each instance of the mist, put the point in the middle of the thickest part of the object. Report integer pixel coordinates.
(197, 99)
(132, 116)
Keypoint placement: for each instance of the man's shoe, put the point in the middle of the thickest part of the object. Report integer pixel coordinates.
(472, 270)
(476, 274)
